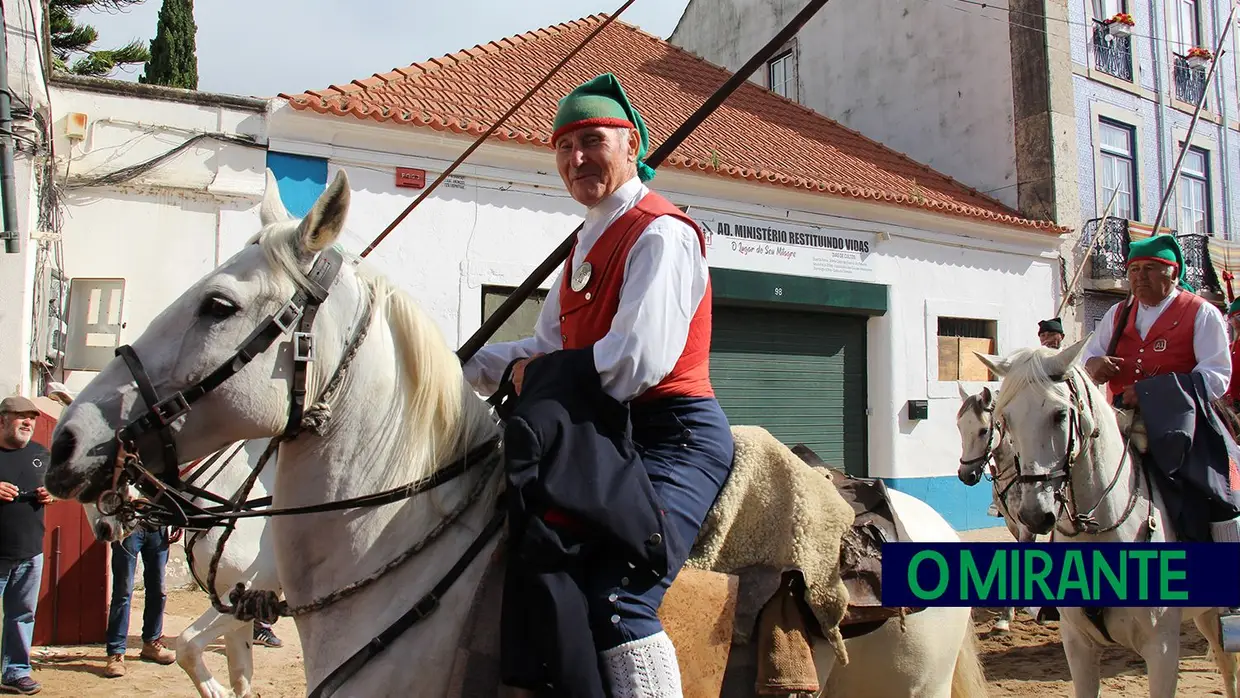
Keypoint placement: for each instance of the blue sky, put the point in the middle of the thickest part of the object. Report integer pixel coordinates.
(263, 47)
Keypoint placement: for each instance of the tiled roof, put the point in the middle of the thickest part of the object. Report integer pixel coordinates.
(755, 135)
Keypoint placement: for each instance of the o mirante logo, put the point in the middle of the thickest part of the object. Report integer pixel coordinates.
(1061, 574)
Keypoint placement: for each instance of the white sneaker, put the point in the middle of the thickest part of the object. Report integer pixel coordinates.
(994, 512)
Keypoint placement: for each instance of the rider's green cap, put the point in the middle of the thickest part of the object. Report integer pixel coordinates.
(1160, 248)
(1052, 325)
(601, 101)
(1234, 308)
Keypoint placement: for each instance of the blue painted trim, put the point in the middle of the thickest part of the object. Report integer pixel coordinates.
(301, 180)
(964, 507)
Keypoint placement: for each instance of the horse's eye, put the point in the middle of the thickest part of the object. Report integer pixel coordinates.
(981, 432)
(1061, 416)
(217, 307)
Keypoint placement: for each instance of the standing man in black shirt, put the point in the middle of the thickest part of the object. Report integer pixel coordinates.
(22, 498)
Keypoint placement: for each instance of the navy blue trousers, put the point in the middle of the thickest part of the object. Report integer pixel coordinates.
(686, 447)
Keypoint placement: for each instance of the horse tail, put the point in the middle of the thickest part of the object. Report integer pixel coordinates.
(968, 678)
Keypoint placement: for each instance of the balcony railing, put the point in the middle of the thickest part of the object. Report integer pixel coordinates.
(1110, 257)
(1111, 252)
(1112, 54)
(1198, 270)
(1190, 82)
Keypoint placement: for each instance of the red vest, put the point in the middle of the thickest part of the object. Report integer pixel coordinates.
(1168, 348)
(586, 315)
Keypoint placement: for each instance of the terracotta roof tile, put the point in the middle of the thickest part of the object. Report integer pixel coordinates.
(755, 135)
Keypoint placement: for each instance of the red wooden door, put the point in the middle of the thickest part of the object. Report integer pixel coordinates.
(73, 598)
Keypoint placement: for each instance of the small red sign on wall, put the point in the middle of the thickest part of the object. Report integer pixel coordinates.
(410, 178)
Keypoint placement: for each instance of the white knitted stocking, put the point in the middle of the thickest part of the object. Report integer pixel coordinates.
(644, 668)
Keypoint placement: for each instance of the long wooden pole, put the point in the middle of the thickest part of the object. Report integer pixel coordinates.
(557, 257)
(478, 142)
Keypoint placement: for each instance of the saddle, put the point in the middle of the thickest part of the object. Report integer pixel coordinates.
(750, 628)
(861, 556)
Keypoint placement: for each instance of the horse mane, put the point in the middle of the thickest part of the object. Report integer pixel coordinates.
(434, 420)
(1028, 368)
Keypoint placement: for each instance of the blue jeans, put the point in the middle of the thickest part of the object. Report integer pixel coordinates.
(153, 547)
(19, 585)
(686, 446)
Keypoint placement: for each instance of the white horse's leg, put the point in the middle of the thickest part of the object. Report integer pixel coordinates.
(1207, 623)
(193, 642)
(1083, 661)
(1162, 656)
(239, 646)
(1004, 622)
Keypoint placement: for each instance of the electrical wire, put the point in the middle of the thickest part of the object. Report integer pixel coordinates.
(131, 172)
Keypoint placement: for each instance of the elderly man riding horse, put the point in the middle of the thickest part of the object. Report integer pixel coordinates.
(635, 297)
(1165, 354)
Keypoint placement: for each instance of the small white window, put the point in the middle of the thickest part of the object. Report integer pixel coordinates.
(781, 75)
(1118, 163)
(1195, 192)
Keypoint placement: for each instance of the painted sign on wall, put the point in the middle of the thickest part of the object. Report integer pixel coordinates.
(782, 247)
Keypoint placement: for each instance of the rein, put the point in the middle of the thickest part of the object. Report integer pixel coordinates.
(1082, 522)
(171, 496)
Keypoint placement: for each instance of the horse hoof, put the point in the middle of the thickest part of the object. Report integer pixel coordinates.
(1002, 626)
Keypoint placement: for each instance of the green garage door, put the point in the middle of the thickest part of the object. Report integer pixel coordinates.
(801, 375)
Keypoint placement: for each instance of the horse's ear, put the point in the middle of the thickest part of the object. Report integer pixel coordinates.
(997, 366)
(320, 228)
(963, 394)
(1060, 363)
(988, 398)
(272, 210)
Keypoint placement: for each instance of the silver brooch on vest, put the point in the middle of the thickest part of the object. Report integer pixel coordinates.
(581, 276)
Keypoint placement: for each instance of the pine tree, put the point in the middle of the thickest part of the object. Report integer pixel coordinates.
(69, 38)
(174, 59)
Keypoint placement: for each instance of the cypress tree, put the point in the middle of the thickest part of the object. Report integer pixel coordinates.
(174, 59)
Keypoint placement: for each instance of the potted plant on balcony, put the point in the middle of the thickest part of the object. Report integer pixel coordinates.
(1120, 25)
(1198, 57)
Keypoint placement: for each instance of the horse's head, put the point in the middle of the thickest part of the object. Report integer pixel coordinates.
(978, 436)
(1045, 404)
(228, 349)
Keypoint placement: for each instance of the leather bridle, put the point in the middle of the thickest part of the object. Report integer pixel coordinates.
(296, 317)
(1064, 493)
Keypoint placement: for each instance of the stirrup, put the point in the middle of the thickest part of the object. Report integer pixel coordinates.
(1229, 629)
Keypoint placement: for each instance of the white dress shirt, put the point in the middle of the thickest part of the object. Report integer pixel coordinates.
(1209, 340)
(665, 279)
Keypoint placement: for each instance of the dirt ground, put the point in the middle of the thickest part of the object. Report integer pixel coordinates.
(1029, 661)
(1026, 662)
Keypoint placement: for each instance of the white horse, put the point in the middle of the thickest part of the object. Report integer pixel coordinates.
(247, 559)
(981, 442)
(428, 417)
(1069, 443)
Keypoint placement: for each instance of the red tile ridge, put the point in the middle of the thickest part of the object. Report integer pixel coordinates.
(865, 158)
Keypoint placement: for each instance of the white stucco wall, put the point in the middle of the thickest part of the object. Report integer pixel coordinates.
(17, 270)
(930, 79)
(508, 210)
(166, 228)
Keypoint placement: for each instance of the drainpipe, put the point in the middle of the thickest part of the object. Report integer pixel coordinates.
(8, 202)
(1224, 161)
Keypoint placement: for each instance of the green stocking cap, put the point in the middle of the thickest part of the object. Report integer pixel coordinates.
(1052, 325)
(1160, 248)
(602, 102)
(1234, 308)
